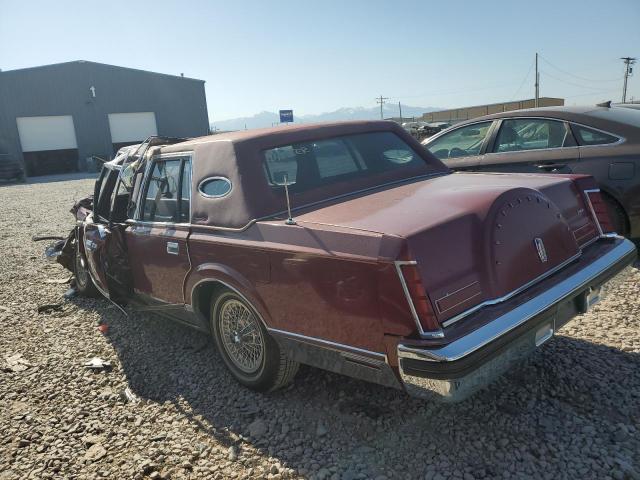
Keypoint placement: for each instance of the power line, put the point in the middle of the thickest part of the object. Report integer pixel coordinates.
(523, 81)
(569, 83)
(381, 100)
(577, 76)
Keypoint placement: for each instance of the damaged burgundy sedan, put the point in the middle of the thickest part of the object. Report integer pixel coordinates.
(347, 247)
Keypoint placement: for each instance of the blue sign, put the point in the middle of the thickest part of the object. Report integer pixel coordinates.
(286, 116)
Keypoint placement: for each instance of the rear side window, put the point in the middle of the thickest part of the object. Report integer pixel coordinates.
(589, 136)
(324, 162)
(530, 134)
(168, 191)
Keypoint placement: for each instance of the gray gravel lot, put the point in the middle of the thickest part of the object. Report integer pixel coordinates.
(572, 412)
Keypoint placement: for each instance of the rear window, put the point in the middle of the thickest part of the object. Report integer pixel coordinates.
(318, 163)
(589, 136)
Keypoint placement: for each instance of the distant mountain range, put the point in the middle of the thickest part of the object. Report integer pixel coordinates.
(267, 119)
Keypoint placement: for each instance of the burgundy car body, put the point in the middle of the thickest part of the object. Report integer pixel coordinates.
(417, 278)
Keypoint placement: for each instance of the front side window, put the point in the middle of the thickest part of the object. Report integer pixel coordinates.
(462, 142)
(588, 136)
(168, 191)
(330, 161)
(530, 134)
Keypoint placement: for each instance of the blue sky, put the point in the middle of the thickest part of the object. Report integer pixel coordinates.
(319, 56)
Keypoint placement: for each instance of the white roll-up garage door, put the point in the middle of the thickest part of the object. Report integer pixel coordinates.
(39, 134)
(132, 127)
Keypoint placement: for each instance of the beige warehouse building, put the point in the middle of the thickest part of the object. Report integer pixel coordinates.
(459, 114)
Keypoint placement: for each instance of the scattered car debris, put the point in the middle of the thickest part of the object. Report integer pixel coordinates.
(40, 238)
(97, 363)
(50, 307)
(16, 363)
(60, 281)
(70, 293)
(127, 396)
(53, 251)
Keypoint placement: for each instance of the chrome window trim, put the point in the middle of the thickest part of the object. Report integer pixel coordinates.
(559, 120)
(206, 195)
(414, 313)
(504, 324)
(620, 138)
(147, 172)
(452, 128)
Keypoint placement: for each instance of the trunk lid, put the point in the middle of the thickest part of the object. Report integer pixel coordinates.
(476, 237)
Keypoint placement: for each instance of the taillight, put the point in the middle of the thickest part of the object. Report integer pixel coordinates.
(418, 301)
(599, 211)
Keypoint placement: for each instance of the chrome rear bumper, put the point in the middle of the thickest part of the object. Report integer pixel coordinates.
(456, 370)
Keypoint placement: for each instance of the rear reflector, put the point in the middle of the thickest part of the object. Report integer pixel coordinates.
(417, 297)
(599, 211)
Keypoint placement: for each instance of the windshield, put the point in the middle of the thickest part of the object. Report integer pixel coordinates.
(369, 159)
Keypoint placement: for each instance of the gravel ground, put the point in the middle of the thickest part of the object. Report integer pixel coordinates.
(572, 412)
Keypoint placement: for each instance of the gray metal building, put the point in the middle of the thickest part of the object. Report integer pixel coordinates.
(54, 117)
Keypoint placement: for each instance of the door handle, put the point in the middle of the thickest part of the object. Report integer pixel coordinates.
(173, 248)
(551, 166)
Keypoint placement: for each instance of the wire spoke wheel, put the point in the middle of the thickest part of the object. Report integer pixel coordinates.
(241, 336)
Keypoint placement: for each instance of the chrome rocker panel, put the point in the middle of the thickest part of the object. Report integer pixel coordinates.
(452, 388)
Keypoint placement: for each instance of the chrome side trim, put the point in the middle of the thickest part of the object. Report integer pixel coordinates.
(513, 293)
(591, 209)
(329, 344)
(504, 324)
(424, 334)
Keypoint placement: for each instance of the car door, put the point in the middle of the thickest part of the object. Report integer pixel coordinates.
(461, 148)
(103, 239)
(157, 237)
(531, 145)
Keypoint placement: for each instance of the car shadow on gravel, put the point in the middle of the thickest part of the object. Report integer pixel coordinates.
(572, 400)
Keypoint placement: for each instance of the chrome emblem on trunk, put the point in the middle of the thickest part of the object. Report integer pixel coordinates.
(542, 252)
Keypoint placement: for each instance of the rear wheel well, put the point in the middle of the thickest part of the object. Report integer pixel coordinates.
(204, 295)
(611, 200)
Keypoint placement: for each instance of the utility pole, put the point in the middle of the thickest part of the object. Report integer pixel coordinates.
(400, 108)
(628, 61)
(381, 100)
(537, 83)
